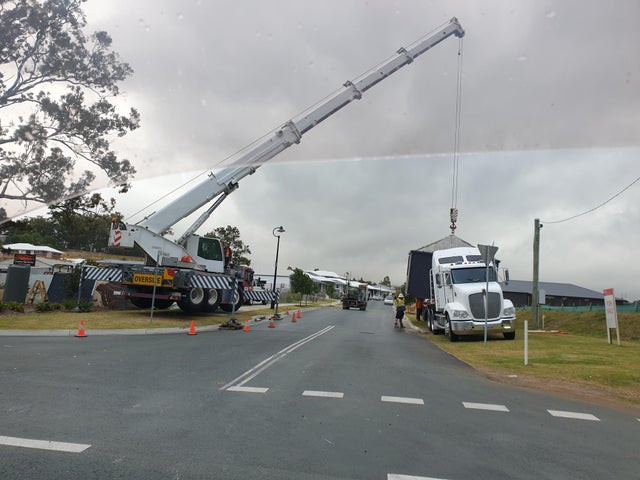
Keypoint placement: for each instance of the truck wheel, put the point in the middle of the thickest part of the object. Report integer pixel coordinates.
(429, 321)
(452, 336)
(159, 304)
(193, 301)
(509, 335)
(228, 307)
(140, 302)
(212, 300)
(162, 304)
(435, 328)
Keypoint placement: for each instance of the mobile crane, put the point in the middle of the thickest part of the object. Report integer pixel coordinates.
(194, 271)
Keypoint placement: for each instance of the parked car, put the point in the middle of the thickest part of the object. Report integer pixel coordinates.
(388, 300)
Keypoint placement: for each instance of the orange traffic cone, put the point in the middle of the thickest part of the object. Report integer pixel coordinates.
(192, 328)
(299, 316)
(293, 317)
(81, 332)
(271, 324)
(246, 328)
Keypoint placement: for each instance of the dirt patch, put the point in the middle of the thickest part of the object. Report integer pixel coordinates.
(597, 396)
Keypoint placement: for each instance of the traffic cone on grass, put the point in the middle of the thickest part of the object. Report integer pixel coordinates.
(81, 333)
(192, 328)
(246, 328)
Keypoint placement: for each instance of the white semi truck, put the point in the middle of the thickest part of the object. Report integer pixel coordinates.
(458, 290)
(192, 271)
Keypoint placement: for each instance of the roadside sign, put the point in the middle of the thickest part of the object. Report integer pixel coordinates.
(488, 252)
(611, 313)
(24, 259)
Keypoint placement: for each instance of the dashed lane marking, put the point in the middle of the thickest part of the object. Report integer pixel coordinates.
(414, 401)
(316, 393)
(43, 444)
(398, 476)
(248, 389)
(577, 415)
(485, 406)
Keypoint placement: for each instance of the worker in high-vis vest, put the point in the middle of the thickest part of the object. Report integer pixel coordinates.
(399, 304)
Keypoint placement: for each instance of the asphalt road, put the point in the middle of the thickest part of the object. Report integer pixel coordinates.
(336, 395)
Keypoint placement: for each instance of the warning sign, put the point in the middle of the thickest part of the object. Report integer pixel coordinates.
(611, 313)
(24, 259)
(610, 308)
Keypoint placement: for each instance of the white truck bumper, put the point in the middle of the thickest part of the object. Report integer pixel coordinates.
(474, 327)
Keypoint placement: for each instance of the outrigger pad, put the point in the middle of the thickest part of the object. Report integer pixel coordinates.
(231, 324)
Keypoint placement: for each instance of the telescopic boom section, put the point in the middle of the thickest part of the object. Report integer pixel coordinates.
(250, 158)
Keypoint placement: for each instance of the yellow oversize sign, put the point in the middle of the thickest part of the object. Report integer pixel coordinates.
(147, 279)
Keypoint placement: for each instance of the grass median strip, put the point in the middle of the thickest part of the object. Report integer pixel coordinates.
(117, 319)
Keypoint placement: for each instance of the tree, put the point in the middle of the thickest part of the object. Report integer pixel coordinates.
(301, 283)
(230, 236)
(331, 290)
(55, 85)
(83, 222)
(79, 223)
(386, 281)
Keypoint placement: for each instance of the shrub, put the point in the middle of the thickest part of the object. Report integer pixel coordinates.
(15, 306)
(47, 307)
(69, 303)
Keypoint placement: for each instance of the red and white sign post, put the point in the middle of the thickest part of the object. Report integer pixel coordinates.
(611, 313)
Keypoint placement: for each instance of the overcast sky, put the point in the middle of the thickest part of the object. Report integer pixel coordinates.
(550, 127)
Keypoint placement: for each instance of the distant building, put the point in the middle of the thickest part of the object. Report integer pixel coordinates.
(29, 249)
(556, 294)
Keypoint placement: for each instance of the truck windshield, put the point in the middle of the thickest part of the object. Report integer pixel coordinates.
(472, 275)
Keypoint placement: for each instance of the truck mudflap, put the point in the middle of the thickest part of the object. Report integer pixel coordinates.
(474, 327)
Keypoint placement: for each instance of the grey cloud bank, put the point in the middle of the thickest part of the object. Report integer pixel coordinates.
(550, 127)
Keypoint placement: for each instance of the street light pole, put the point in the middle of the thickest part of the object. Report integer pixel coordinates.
(280, 230)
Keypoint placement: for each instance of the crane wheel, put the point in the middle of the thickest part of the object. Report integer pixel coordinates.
(212, 300)
(193, 301)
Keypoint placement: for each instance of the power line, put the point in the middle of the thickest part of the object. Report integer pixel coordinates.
(597, 206)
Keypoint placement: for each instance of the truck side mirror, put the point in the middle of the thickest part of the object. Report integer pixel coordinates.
(506, 277)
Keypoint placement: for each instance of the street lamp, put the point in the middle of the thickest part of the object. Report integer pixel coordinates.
(278, 230)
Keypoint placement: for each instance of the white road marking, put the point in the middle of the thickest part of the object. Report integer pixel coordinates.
(579, 416)
(316, 393)
(248, 389)
(414, 401)
(266, 363)
(485, 406)
(43, 444)
(398, 476)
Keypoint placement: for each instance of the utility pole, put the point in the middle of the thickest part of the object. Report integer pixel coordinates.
(535, 297)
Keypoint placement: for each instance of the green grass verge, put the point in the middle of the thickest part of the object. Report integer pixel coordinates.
(582, 358)
(122, 319)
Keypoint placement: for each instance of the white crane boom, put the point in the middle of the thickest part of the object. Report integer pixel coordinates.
(250, 158)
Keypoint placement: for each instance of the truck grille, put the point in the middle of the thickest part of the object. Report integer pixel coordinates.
(476, 303)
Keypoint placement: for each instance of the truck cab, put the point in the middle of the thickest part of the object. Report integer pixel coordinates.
(458, 281)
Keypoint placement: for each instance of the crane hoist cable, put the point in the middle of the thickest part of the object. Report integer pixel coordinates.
(453, 212)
